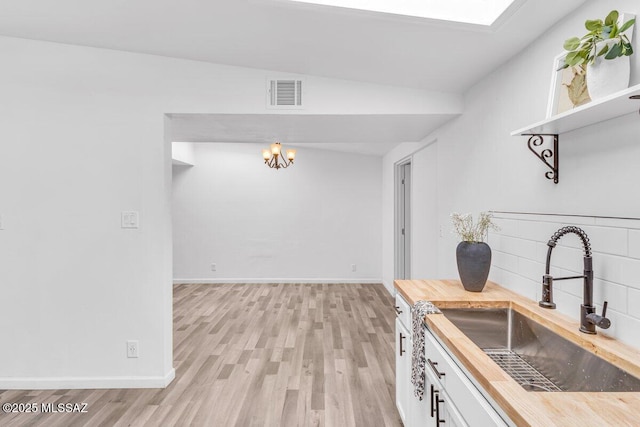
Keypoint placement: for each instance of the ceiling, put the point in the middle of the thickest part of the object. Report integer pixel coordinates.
(294, 37)
(365, 134)
(291, 37)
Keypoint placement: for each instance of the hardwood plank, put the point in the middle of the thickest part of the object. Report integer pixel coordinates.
(256, 354)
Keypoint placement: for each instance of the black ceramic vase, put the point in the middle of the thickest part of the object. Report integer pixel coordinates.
(474, 261)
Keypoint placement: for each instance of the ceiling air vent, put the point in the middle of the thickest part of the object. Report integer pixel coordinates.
(285, 93)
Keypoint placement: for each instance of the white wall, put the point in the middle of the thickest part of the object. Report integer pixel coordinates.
(481, 167)
(182, 153)
(424, 238)
(83, 138)
(308, 222)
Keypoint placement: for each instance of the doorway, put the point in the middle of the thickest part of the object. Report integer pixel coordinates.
(403, 220)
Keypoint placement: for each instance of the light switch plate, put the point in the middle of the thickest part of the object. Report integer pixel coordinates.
(130, 219)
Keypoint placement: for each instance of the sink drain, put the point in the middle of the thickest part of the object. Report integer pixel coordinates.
(521, 371)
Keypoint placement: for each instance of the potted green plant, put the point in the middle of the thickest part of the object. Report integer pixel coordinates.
(604, 53)
(473, 255)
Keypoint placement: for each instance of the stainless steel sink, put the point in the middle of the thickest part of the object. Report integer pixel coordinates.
(536, 357)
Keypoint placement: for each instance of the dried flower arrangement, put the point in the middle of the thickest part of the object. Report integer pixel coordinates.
(468, 231)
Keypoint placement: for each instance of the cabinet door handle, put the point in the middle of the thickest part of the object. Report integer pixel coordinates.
(398, 311)
(402, 337)
(438, 402)
(435, 370)
(433, 407)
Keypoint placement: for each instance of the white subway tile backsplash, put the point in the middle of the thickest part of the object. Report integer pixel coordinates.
(538, 231)
(532, 270)
(507, 227)
(495, 241)
(631, 272)
(619, 222)
(553, 218)
(567, 258)
(633, 303)
(505, 261)
(608, 267)
(520, 284)
(567, 304)
(519, 256)
(624, 327)
(573, 286)
(608, 240)
(574, 220)
(616, 295)
(634, 244)
(525, 248)
(495, 274)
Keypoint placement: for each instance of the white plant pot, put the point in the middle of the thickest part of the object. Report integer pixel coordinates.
(607, 76)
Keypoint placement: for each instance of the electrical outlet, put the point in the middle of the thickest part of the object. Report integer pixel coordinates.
(132, 349)
(353, 267)
(214, 267)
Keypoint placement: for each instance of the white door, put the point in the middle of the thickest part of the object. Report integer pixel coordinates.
(403, 221)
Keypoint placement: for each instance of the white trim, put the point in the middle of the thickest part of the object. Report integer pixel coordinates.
(30, 383)
(276, 280)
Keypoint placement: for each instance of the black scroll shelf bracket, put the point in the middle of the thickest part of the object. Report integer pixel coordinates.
(548, 156)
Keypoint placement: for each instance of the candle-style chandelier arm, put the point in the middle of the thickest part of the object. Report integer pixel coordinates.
(275, 158)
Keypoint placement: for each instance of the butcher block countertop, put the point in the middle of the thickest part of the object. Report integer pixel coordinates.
(527, 408)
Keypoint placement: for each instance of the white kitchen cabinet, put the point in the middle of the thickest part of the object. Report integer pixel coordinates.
(403, 312)
(442, 411)
(451, 415)
(413, 412)
(420, 410)
(450, 398)
(459, 401)
(404, 387)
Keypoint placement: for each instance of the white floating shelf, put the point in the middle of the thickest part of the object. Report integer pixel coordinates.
(612, 106)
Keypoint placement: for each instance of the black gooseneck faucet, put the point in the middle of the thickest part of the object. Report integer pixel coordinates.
(588, 317)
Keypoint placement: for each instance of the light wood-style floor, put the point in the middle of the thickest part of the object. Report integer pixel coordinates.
(257, 355)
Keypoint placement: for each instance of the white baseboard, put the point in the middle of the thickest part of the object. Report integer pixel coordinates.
(274, 280)
(19, 383)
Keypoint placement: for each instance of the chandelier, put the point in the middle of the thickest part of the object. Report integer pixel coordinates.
(274, 159)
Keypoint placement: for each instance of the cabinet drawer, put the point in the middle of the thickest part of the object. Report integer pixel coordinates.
(469, 402)
(403, 310)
